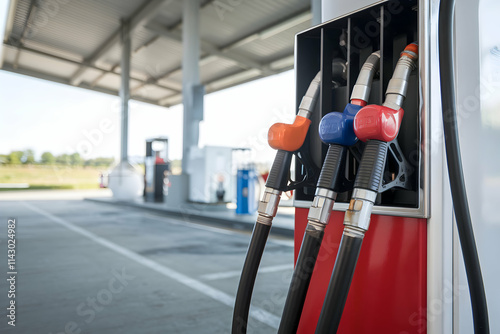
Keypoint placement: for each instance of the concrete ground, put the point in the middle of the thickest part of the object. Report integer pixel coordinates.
(85, 267)
(217, 215)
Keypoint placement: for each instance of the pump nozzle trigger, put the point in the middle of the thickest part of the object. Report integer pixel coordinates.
(311, 171)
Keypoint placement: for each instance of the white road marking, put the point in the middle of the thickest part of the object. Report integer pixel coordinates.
(228, 274)
(255, 312)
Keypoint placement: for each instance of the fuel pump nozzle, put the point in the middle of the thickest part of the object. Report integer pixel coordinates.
(376, 125)
(287, 139)
(335, 129)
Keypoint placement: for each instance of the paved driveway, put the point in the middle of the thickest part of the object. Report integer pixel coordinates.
(85, 267)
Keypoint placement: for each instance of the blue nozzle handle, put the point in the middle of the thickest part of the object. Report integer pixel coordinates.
(338, 128)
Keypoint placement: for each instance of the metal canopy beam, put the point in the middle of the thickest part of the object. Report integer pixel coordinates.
(149, 42)
(176, 25)
(8, 27)
(241, 60)
(272, 29)
(104, 71)
(249, 68)
(215, 85)
(53, 78)
(27, 23)
(279, 65)
(225, 52)
(142, 15)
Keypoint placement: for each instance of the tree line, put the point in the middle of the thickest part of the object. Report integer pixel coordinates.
(27, 157)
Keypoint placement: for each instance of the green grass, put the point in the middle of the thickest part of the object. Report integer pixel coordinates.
(51, 177)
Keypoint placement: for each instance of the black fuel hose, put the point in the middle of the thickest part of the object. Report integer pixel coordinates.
(301, 278)
(455, 172)
(338, 289)
(369, 177)
(277, 182)
(277, 179)
(247, 280)
(311, 243)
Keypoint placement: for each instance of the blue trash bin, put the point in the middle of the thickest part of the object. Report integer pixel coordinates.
(245, 191)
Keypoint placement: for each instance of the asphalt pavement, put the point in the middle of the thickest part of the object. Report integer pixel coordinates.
(85, 267)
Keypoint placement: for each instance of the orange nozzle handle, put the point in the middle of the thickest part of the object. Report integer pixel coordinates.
(288, 137)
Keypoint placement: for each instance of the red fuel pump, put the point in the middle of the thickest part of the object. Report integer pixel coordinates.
(389, 289)
(381, 181)
(393, 261)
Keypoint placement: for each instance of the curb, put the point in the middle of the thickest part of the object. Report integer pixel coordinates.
(198, 218)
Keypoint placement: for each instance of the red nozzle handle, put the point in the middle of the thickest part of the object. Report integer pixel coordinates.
(377, 122)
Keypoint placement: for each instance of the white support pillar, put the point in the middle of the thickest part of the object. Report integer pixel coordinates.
(192, 90)
(124, 89)
(316, 12)
(125, 181)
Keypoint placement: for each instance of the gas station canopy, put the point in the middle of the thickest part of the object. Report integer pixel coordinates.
(77, 42)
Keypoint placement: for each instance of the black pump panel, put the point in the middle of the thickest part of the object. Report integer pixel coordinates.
(347, 42)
